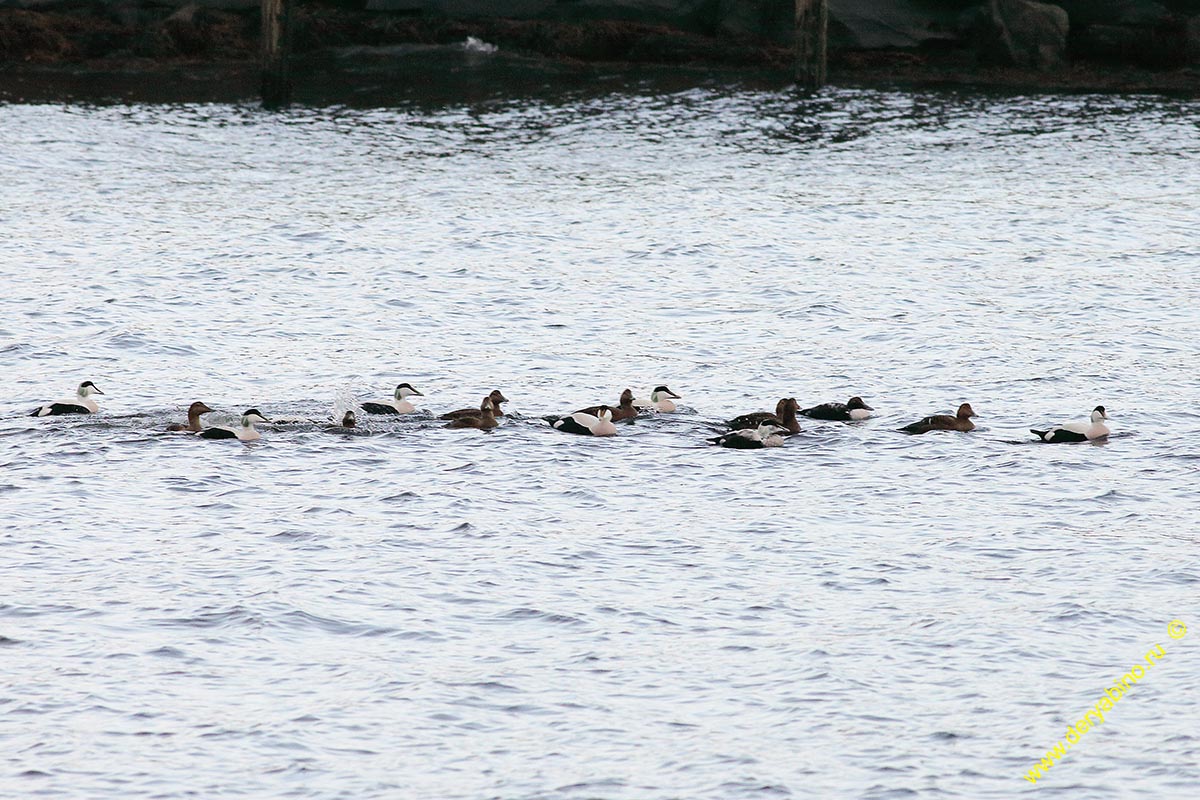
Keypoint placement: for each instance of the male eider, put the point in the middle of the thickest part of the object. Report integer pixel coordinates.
(767, 434)
(852, 410)
(660, 400)
(496, 397)
(1077, 431)
(944, 422)
(193, 424)
(598, 424)
(624, 409)
(399, 404)
(784, 417)
(485, 419)
(83, 403)
(246, 432)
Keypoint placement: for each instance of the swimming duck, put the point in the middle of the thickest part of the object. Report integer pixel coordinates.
(852, 410)
(598, 424)
(83, 403)
(1077, 431)
(784, 416)
(484, 419)
(246, 433)
(349, 420)
(943, 422)
(767, 434)
(496, 398)
(624, 409)
(193, 424)
(660, 400)
(399, 404)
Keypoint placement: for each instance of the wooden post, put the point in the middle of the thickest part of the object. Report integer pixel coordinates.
(276, 85)
(812, 23)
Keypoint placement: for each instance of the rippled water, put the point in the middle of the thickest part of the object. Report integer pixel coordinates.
(428, 613)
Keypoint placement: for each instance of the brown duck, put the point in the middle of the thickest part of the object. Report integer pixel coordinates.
(496, 399)
(193, 424)
(784, 417)
(944, 422)
(624, 410)
(485, 421)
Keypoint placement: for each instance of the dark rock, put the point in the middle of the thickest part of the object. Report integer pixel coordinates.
(1163, 46)
(871, 24)
(1192, 43)
(759, 19)
(1114, 12)
(1021, 33)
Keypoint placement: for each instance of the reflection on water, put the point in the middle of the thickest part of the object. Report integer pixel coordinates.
(422, 612)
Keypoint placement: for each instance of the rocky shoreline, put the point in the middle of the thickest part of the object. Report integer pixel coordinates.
(144, 51)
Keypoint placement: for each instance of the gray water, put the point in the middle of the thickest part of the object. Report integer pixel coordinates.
(429, 613)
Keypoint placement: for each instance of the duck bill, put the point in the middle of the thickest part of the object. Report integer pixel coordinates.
(96, 389)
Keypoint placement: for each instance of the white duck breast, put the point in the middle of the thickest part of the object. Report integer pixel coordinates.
(587, 425)
(245, 433)
(82, 404)
(1077, 431)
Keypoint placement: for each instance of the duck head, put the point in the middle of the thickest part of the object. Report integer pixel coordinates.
(857, 402)
(88, 388)
(252, 416)
(406, 390)
(965, 411)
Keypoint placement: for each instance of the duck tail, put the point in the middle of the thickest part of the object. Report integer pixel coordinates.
(1040, 434)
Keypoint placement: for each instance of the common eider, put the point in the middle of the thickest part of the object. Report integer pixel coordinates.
(193, 424)
(496, 398)
(767, 434)
(624, 409)
(83, 403)
(598, 424)
(660, 400)
(851, 411)
(1077, 431)
(246, 432)
(399, 404)
(484, 420)
(944, 422)
(784, 416)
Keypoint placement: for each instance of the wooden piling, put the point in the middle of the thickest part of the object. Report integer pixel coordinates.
(812, 24)
(276, 87)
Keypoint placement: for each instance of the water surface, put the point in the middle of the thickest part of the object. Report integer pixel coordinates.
(419, 612)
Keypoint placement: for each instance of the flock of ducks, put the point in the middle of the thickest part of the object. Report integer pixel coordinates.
(747, 432)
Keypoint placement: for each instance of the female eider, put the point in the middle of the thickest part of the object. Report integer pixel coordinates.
(660, 400)
(624, 409)
(193, 424)
(784, 417)
(496, 398)
(484, 420)
(399, 404)
(83, 403)
(851, 411)
(598, 424)
(944, 422)
(1077, 431)
(767, 434)
(246, 432)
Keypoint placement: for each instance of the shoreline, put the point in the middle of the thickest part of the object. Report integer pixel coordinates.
(358, 58)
